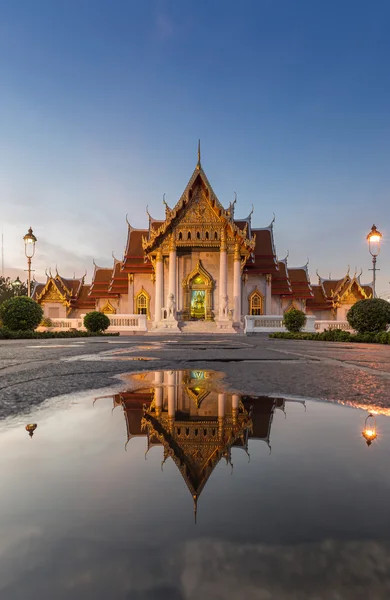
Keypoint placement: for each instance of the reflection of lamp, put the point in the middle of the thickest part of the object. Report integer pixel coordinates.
(374, 245)
(29, 247)
(31, 427)
(369, 432)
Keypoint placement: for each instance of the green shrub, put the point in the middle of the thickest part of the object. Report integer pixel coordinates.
(294, 320)
(369, 316)
(96, 321)
(21, 314)
(335, 335)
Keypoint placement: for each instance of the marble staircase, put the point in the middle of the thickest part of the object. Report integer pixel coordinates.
(195, 327)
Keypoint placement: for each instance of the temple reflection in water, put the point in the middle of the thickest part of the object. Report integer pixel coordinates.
(196, 423)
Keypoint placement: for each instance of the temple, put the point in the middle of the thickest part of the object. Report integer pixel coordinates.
(194, 421)
(199, 263)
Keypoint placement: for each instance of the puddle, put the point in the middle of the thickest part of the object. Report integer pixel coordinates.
(101, 500)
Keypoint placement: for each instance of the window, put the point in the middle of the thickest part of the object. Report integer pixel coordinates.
(189, 235)
(255, 303)
(198, 235)
(142, 303)
(207, 235)
(215, 235)
(180, 236)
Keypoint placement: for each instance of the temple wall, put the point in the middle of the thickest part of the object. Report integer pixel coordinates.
(54, 310)
(322, 315)
(142, 280)
(253, 282)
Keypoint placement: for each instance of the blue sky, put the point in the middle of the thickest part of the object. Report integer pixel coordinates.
(102, 104)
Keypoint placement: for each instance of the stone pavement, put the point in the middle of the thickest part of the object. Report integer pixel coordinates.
(35, 370)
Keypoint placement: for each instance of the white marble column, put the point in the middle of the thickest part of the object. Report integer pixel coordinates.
(158, 303)
(172, 274)
(268, 294)
(130, 292)
(222, 273)
(237, 284)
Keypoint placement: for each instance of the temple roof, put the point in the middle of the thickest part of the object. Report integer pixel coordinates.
(100, 283)
(265, 260)
(300, 282)
(173, 216)
(134, 256)
(280, 280)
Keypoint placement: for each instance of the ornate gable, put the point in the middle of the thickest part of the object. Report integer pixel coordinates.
(198, 217)
(52, 293)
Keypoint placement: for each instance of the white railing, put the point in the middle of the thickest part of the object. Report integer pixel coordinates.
(322, 325)
(127, 323)
(117, 323)
(67, 323)
(272, 323)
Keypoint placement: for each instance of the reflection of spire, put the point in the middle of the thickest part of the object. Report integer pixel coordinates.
(195, 497)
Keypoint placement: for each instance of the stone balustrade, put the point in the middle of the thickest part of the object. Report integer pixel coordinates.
(320, 326)
(117, 323)
(272, 324)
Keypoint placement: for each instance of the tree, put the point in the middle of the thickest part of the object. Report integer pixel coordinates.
(369, 316)
(96, 321)
(21, 314)
(7, 290)
(294, 320)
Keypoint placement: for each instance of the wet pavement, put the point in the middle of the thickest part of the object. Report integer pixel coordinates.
(169, 484)
(34, 370)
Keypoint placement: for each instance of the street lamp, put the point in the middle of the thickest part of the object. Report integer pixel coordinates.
(16, 285)
(374, 246)
(29, 246)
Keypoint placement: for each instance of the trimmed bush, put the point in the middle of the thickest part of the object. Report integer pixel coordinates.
(369, 316)
(294, 320)
(96, 321)
(21, 314)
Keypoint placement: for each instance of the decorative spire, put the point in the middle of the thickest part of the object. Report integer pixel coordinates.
(198, 164)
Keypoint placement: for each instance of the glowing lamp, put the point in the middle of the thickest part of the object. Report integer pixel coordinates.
(29, 242)
(369, 432)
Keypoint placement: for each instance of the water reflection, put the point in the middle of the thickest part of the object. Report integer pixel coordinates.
(194, 421)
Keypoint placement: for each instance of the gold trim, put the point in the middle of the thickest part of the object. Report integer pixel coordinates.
(255, 294)
(108, 309)
(146, 295)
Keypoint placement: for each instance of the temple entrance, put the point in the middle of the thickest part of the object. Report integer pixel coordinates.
(197, 288)
(198, 304)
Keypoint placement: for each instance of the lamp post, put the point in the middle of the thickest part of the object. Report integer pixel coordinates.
(374, 246)
(29, 247)
(16, 285)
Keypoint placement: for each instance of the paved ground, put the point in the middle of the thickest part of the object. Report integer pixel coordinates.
(34, 370)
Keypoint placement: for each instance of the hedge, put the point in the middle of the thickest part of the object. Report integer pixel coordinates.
(336, 335)
(7, 334)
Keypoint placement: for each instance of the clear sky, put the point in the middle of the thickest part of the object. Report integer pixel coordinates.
(102, 104)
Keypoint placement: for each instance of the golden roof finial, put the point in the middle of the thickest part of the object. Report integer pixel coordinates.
(198, 165)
